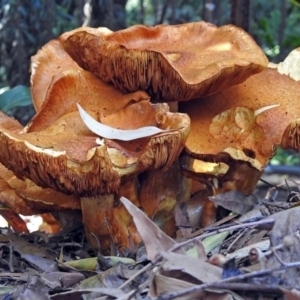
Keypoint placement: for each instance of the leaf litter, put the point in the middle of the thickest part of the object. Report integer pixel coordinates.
(252, 256)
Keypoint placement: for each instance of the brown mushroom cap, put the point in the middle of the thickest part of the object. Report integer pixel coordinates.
(223, 125)
(25, 197)
(52, 59)
(59, 83)
(171, 63)
(43, 69)
(69, 158)
(78, 86)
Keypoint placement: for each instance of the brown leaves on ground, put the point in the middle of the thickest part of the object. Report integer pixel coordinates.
(44, 267)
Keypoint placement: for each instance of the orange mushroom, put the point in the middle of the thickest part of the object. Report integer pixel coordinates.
(243, 125)
(42, 67)
(158, 61)
(171, 63)
(24, 197)
(67, 157)
(57, 150)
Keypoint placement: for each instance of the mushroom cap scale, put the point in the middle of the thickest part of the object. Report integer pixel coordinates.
(192, 60)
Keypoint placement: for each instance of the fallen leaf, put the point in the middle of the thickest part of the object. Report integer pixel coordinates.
(90, 264)
(61, 279)
(154, 239)
(23, 247)
(118, 134)
(191, 266)
(221, 294)
(287, 224)
(163, 284)
(111, 279)
(89, 293)
(35, 289)
(209, 243)
(235, 201)
(40, 263)
(292, 294)
(5, 290)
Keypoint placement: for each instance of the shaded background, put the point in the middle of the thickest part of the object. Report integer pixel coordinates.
(26, 25)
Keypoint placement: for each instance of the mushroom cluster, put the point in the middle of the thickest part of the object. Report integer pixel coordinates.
(123, 79)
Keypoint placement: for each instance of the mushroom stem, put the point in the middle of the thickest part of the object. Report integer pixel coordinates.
(158, 196)
(95, 219)
(219, 178)
(108, 221)
(173, 106)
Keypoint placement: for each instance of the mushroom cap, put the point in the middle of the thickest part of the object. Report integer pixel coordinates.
(191, 60)
(69, 158)
(43, 67)
(224, 125)
(58, 83)
(25, 197)
(56, 150)
(78, 86)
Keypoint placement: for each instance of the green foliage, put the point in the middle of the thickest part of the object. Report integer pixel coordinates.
(292, 30)
(17, 96)
(25, 26)
(269, 26)
(285, 157)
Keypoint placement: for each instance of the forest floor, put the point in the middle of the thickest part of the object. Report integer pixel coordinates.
(238, 258)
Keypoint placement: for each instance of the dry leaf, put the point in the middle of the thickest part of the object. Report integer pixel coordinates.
(35, 289)
(287, 224)
(163, 284)
(292, 294)
(199, 269)
(90, 293)
(25, 248)
(90, 264)
(154, 239)
(222, 294)
(118, 134)
(62, 279)
(40, 263)
(235, 201)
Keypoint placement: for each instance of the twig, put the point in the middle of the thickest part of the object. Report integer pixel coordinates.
(144, 269)
(248, 287)
(231, 228)
(179, 245)
(11, 256)
(201, 231)
(230, 279)
(239, 235)
(272, 185)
